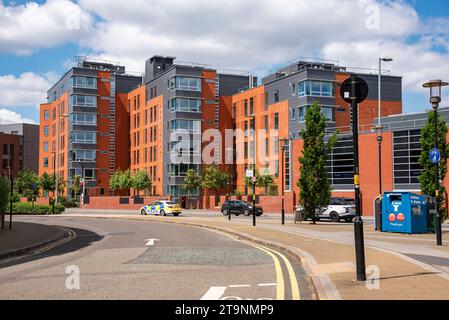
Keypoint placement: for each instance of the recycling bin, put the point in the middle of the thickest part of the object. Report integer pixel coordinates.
(404, 212)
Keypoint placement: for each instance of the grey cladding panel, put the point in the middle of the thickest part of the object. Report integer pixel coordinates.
(231, 84)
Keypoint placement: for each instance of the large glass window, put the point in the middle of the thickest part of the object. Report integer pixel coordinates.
(193, 126)
(180, 170)
(46, 115)
(340, 163)
(84, 118)
(84, 137)
(183, 104)
(46, 131)
(185, 83)
(45, 146)
(407, 150)
(83, 100)
(84, 155)
(84, 82)
(316, 88)
(326, 111)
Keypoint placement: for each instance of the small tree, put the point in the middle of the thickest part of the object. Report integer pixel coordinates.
(214, 179)
(192, 181)
(262, 180)
(315, 188)
(27, 184)
(47, 183)
(120, 180)
(141, 181)
(427, 178)
(76, 185)
(4, 199)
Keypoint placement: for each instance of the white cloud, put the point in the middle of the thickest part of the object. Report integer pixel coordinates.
(237, 34)
(8, 116)
(29, 89)
(28, 27)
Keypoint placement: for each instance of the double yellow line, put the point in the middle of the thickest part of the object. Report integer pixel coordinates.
(71, 235)
(280, 288)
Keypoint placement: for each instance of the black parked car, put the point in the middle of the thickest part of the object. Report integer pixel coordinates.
(239, 207)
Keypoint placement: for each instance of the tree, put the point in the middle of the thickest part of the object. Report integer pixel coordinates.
(120, 180)
(27, 184)
(427, 177)
(262, 180)
(315, 188)
(192, 181)
(4, 199)
(76, 185)
(47, 183)
(141, 181)
(214, 179)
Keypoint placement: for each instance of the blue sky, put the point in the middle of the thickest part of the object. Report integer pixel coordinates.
(41, 38)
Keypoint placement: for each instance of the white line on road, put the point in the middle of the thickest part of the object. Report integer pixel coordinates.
(266, 284)
(239, 286)
(214, 293)
(151, 241)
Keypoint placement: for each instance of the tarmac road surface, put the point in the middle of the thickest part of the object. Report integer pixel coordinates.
(124, 259)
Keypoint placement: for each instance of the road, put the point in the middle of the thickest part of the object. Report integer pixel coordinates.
(124, 259)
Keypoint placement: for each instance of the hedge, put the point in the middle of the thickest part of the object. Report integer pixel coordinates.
(27, 208)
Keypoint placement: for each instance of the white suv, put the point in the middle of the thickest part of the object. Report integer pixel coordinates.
(338, 209)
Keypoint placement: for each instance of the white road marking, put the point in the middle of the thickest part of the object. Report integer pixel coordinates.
(239, 286)
(266, 284)
(151, 241)
(214, 293)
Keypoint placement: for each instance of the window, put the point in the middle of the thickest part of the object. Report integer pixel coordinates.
(83, 100)
(89, 174)
(193, 126)
(276, 96)
(85, 82)
(328, 113)
(340, 163)
(46, 131)
(293, 89)
(266, 122)
(406, 153)
(316, 88)
(46, 115)
(251, 106)
(84, 118)
(45, 162)
(185, 83)
(293, 113)
(245, 103)
(84, 137)
(187, 105)
(84, 155)
(46, 146)
(276, 121)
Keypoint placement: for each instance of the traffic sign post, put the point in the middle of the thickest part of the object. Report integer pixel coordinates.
(354, 90)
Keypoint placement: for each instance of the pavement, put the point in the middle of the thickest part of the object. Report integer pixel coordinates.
(398, 266)
(128, 259)
(25, 237)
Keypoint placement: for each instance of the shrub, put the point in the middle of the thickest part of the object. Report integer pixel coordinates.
(27, 208)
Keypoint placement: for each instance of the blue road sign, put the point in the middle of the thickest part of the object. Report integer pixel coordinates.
(435, 156)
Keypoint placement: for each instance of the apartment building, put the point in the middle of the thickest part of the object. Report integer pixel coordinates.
(180, 99)
(29, 143)
(10, 155)
(84, 126)
(279, 104)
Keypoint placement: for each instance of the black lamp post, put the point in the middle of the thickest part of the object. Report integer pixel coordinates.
(435, 99)
(284, 142)
(230, 160)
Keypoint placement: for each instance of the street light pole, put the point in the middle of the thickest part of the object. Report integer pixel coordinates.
(435, 99)
(283, 142)
(379, 125)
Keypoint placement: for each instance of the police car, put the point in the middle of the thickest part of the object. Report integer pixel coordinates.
(161, 208)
